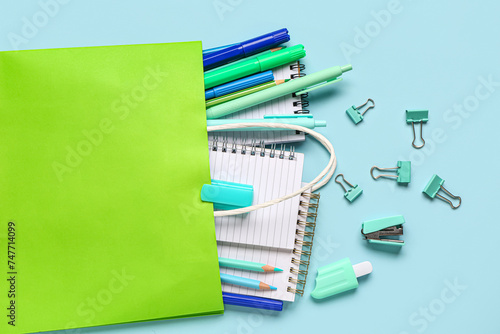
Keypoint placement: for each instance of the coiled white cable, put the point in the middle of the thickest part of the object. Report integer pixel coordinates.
(318, 182)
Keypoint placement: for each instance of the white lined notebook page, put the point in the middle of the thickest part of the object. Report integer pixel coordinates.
(271, 178)
(280, 258)
(280, 106)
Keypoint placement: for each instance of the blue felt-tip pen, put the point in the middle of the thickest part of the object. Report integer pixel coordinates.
(252, 301)
(243, 83)
(245, 49)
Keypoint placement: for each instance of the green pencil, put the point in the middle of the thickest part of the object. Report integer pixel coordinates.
(247, 265)
(243, 92)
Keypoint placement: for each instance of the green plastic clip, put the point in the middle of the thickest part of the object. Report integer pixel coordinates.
(434, 185)
(352, 193)
(376, 231)
(417, 116)
(403, 172)
(354, 113)
(338, 277)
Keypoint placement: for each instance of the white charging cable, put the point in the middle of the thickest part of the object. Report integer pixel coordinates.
(318, 182)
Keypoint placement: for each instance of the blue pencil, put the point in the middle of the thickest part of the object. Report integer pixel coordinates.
(246, 282)
(251, 301)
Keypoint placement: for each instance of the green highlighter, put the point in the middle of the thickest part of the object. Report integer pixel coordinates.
(251, 66)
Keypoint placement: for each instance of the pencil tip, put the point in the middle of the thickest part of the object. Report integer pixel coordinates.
(273, 287)
(278, 269)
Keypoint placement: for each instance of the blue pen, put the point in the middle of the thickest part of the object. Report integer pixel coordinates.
(207, 51)
(252, 301)
(246, 282)
(306, 121)
(243, 83)
(245, 49)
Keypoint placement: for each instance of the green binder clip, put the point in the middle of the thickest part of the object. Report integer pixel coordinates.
(377, 231)
(351, 194)
(403, 172)
(338, 277)
(417, 116)
(227, 195)
(434, 185)
(354, 113)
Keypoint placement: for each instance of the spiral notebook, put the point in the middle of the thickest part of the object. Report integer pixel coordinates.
(284, 105)
(280, 235)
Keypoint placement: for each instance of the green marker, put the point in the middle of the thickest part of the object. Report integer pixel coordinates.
(251, 66)
(299, 86)
(247, 265)
(243, 92)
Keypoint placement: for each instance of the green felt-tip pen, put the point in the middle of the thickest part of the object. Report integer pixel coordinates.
(247, 265)
(251, 66)
(243, 92)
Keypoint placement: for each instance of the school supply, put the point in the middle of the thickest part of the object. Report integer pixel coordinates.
(403, 172)
(434, 185)
(246, 282)
(227, 195)
(218, 48)
(90, 184)
(287, 105)
(237, 85)
(353, 192)
(251, 301)
(306, 121)
(272, 173)
(243, 92)
(251, 66)
(280, 234)
(355, 114)
(244, 49)
(377, 231)
(338, 277)
(417, 116)
(317, 183)
(298, 86)
(247, 265)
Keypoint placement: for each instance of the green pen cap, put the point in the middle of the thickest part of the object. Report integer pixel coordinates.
(274, 59)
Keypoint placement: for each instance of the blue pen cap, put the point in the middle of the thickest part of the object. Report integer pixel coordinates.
(261, 43)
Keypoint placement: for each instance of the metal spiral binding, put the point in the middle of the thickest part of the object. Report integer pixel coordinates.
(302, 253)
(254, 148)
(298, 272)
(304, 233)
(303, 103)
(299, 262)
(296, 281)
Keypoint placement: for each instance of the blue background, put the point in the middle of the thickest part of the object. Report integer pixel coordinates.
(425, 54)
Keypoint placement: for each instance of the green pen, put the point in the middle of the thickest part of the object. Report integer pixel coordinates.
(247, 265)
(298, 86)
(243, 92)
(251, 66)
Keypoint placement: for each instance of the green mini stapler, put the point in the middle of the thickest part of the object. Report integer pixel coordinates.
(378, 231)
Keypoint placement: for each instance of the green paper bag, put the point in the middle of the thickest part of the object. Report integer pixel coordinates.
(104, 152)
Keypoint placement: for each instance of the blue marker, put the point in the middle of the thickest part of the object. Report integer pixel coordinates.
(245, 49)
(251, 301)
(246, 282)
(243, 83)
(208, 51)
(306, 121)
